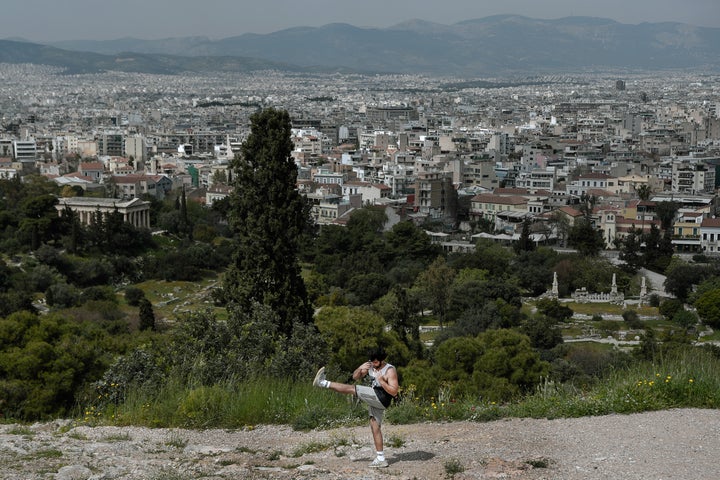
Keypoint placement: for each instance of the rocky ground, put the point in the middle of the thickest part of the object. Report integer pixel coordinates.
(674, 444)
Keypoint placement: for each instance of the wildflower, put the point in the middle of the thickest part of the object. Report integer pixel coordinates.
(691, 380)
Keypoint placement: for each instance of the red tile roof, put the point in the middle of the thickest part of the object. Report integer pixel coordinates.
(711, 222)
(570, 211)
(499, 199)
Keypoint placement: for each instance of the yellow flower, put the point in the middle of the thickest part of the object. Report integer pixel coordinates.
(691, 380)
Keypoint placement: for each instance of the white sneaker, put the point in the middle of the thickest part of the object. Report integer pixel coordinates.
(319, 377)
(377, 463)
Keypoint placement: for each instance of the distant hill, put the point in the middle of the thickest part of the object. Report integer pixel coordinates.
(493, 45)
(90, 62)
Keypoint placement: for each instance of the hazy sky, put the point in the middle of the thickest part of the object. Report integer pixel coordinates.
(51, 20)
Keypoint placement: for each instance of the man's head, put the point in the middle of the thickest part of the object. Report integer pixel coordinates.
(377, 353)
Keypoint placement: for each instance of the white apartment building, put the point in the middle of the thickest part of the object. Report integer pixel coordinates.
(369, 192)
(692, 177)
(24, 150)
(323, 176)
(308, 142)
(64, 145)
(537, 179)
(710, 235)
(377, 140)
(399, 177)
(591, 181)
(9, 170)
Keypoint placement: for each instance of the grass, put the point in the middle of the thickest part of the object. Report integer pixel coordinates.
(688, 378)
(685, 379)
(571, 331)
(395, 441)
(176, 440)
(311, 447)
(20, 430)
(609, 309)
(117, 437)
(453, 466)
(172, 298)
(49, 453)
(235, 406)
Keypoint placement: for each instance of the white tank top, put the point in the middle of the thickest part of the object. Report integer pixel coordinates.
(380, 373)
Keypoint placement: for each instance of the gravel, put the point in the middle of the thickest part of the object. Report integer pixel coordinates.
(672, 444)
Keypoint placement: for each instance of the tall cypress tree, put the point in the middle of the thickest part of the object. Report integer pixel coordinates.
(267, 216)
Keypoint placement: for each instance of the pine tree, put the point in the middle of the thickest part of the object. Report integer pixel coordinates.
(185, 227)
(147, 315)
(268, 216)
(525, 242)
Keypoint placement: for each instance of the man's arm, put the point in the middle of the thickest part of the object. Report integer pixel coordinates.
(361, 371)
(389, 382)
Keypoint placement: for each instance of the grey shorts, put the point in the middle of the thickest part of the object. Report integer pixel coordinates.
(367, 395)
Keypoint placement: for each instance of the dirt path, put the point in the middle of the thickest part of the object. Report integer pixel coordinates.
(674, 444)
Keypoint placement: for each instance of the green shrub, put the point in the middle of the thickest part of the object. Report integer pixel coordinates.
(405, 413)
(62, 295)
(45, 361)
(133, 295)
(453, 466)
(670, 307)
(632, 319)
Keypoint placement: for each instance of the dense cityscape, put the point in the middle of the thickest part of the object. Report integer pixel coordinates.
(451, 154)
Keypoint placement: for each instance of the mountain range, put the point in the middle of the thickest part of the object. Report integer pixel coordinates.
(497, 45)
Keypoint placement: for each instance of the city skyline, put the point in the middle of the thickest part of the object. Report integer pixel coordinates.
(43, 21)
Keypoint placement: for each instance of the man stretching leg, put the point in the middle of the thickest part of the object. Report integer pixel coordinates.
(378, 396)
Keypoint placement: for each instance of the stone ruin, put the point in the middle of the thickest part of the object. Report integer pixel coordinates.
(581, 295)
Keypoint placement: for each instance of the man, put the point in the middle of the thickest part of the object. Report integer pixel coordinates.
(378, 396)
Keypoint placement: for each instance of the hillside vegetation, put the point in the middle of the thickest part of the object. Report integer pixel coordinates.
(223, 320)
